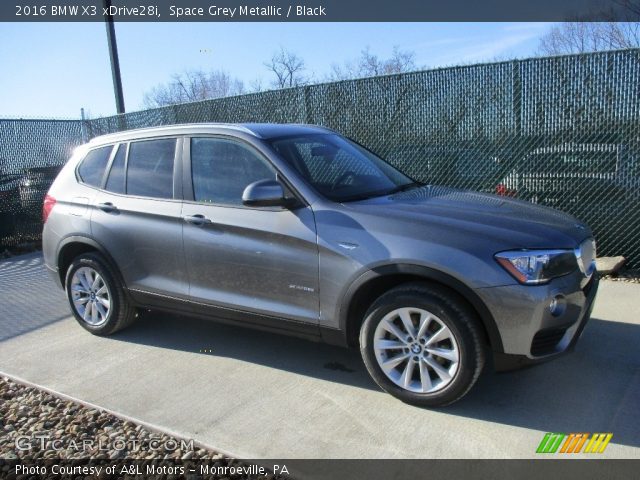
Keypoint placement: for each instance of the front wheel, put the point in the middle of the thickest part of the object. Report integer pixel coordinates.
(96, 296)
(421, 344)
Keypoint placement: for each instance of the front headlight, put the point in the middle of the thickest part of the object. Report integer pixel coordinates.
(534, 267)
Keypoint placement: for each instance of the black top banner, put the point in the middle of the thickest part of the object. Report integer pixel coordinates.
(318, 11)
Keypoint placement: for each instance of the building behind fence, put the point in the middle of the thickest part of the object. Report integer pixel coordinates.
(559, 131)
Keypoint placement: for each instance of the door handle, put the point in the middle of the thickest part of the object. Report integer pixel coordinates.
(197, 220)
(107, 207)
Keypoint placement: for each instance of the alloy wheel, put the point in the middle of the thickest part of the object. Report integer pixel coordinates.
(416, 350)
(91, 296)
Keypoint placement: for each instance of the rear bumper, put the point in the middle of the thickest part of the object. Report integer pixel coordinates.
(530, 334)
(53, 272)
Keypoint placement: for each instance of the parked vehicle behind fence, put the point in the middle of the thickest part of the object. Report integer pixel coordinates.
(296, 229)
(573, 174)
(9, 204)
(33, 186)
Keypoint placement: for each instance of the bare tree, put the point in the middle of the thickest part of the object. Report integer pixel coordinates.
(288, 69)
(581, 37)
(370, 65)
(193, 86)
(256, 85)
(624, 34)
(620, 30)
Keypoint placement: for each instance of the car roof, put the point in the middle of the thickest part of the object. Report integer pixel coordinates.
(258, 130)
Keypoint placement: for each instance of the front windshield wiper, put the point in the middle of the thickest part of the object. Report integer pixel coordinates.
(363, 196)
(405, 187)
(382, 193)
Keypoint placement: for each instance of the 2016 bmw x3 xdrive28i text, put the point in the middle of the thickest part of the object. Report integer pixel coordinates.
(297, 229)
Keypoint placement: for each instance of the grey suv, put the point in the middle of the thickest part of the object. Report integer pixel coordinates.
(299, 230)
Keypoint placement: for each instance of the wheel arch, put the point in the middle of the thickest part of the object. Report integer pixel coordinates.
(376, 281)
(72, 246)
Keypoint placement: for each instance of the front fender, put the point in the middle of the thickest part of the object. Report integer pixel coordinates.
(426, 273)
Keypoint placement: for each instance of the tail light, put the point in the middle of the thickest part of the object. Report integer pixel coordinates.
(47, 206)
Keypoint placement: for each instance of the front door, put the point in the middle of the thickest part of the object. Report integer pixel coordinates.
(261, 260)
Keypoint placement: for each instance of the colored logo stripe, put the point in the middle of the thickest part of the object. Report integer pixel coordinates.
(598, 440)
(550, 443)
(573, 442)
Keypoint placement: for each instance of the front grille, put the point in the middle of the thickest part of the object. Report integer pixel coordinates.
(545, 341)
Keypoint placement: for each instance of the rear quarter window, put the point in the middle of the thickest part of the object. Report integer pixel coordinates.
(91, 169)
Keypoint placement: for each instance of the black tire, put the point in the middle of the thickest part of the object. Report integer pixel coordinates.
(451, 311)
(121, 313)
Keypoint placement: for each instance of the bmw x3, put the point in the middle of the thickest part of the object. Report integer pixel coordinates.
(297, 229)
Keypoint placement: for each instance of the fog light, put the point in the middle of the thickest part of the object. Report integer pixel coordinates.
(558, 305)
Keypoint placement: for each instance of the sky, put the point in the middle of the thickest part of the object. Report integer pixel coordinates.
(52, 70)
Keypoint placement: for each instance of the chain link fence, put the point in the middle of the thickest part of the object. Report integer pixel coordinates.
(31, 155)
(558, 131)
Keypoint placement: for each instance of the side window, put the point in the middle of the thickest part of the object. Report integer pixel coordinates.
(150, 168)
(221, 169)
(115, 181)
(92, 167)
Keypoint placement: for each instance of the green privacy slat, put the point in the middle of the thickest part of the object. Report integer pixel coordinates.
(559, 131)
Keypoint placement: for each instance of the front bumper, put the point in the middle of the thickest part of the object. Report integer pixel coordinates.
(530, 333)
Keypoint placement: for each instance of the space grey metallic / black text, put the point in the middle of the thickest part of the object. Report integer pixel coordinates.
(296, 229)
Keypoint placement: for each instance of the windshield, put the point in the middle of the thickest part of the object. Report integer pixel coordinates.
(340, 169)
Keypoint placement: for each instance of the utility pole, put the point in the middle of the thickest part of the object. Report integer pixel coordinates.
(82, 128)
(113, 56)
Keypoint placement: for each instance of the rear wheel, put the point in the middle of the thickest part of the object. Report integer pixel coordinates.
(421, 344)
(96, 296)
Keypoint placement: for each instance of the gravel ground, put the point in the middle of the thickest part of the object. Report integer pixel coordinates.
(74, 432)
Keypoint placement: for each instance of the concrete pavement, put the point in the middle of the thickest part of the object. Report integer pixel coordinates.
(258, 395)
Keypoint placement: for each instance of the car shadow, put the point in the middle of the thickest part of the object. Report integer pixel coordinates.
(594, 389)
(292, 354)
(29, 299)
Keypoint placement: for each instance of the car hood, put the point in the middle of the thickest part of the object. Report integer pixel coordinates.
(509, 222)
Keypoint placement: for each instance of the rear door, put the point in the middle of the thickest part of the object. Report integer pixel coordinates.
(137, 217)
(259, 260)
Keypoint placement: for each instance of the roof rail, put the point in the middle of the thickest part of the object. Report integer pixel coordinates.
(182, 126)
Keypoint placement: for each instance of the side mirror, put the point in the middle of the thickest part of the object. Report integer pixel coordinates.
(264, 193)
